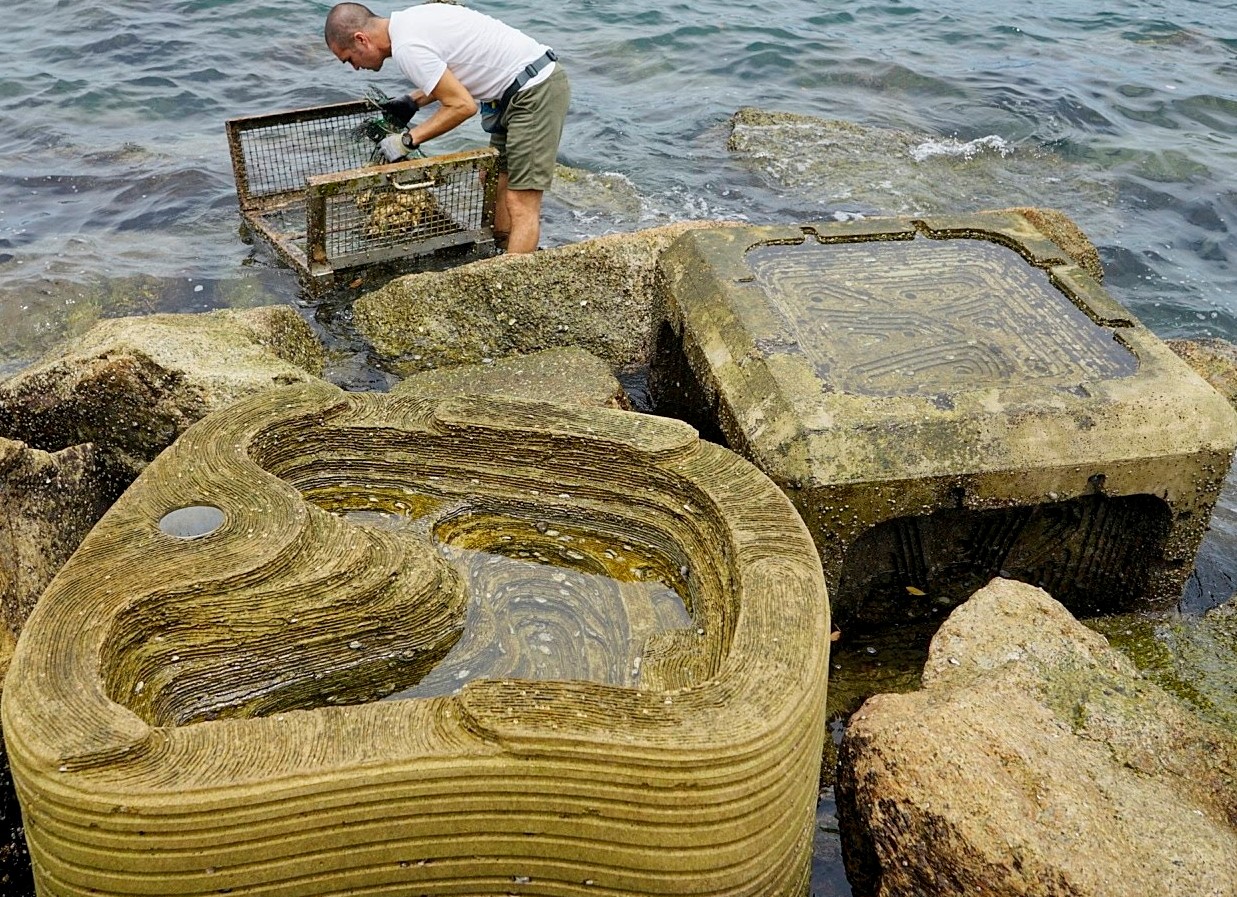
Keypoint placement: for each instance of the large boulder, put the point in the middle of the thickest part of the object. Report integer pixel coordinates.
(48, 502)
(130, 386)
(1035, 761)
(597, 295)
(79, 425)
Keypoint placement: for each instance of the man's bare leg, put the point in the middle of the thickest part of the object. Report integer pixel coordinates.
(524, 215)
(502, 216)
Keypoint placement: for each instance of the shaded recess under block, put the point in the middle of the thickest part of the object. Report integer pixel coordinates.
(946, 400)
(344, 643)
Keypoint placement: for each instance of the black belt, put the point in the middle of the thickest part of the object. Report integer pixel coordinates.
(527, 75)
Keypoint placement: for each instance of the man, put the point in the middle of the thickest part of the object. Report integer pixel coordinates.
(463, 59)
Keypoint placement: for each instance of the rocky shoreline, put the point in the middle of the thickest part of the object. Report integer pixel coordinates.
(1034, 759)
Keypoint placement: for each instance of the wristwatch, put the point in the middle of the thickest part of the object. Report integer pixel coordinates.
(407, 141)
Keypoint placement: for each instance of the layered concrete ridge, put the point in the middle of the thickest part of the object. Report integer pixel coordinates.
(950, 399)
(192, 708)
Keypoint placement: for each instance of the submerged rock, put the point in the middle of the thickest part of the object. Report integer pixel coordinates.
(1192, 656)
(865, 170)
(1035, 761)
(605, 195)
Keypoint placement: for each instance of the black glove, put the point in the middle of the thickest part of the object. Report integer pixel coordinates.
(400, 110)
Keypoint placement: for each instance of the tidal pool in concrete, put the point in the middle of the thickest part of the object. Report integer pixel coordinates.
(548, 599)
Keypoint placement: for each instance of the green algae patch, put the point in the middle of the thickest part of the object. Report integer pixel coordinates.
(1194, 658)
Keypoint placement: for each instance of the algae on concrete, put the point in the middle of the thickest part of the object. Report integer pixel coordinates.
(194, 712)
(949, 399)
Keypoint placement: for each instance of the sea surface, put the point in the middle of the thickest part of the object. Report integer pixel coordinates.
(117, 193)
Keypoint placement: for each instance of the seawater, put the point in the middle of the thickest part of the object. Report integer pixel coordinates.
(117, 194)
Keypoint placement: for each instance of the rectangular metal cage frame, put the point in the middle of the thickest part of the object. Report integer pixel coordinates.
(308, 189)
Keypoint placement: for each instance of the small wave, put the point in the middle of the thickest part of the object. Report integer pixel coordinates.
(959, 149)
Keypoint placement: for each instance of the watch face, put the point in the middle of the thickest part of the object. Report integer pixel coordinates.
(406, 139)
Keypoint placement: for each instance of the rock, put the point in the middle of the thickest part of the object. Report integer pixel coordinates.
(863, 170)
(1035, 761)
(597, 295)
(567, 376)
(130, 386)
(1215, 360)
(48, 502)
(607, 195)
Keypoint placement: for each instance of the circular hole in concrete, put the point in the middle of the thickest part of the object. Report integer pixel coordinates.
(191, 522)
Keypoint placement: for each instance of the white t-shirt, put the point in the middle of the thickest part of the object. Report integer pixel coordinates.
(482, 52)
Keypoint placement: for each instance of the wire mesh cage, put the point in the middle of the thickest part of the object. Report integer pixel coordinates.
(308, 189)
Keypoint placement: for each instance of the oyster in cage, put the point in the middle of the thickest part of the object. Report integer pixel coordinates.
(390, 212)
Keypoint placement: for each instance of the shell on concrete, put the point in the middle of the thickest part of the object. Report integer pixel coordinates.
(192, 715)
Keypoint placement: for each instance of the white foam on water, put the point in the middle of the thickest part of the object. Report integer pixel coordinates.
(951, 146)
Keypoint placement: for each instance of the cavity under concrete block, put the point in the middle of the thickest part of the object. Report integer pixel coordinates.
(950, 399)
(602, 641)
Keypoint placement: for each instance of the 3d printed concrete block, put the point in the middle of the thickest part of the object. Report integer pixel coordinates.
(948, 400)
(610, 639)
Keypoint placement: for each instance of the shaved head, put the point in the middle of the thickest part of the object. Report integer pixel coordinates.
(345, 20)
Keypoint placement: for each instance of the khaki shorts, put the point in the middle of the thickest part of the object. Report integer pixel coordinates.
(534, 122)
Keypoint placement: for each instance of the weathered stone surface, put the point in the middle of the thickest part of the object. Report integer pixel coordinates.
(192, 706)
(48, 502)
(949, 398)
(1215, 360)
(1035, 761)
(596, 295)
(131, 385)
(566, 376)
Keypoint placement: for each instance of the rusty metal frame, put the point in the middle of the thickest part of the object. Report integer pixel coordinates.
(236, 127)
(266, 214)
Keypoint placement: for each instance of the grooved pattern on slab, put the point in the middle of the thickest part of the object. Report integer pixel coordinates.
(893, 317)
(198, 715)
